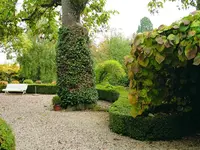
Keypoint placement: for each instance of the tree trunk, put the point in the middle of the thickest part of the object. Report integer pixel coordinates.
(69, 15)
(198, 5)
(75, 76)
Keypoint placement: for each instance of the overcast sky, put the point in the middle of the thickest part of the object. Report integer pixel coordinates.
(130, 14)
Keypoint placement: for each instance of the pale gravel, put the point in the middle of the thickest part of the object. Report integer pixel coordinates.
(37, 127)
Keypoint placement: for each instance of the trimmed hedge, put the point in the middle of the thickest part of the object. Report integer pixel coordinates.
(7, 139)
(42, 88)
(103, 94)
(108, 95)
(158, 127)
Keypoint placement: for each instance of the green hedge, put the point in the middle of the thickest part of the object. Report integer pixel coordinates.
(7, 139)
(42, 88)
(108, 95)
(158, 127)
(103, 94)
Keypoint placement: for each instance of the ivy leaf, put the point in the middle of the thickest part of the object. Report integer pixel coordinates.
(143, 61)
(190, 51)
(159, 58)
(191, 33)
(139, 39)
(183, 28)
(195, 24)
(186, 22)
(197, 60)
(135, 67)
(174, 38)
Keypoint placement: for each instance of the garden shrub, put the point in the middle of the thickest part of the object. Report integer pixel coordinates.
(38, 82)
(8, 72)
(152, 127)
(107, 93)
(3, 83)
(56, 100)
(7, 139)
(28, 81)
(110, 71)
(164, 68)
(75, 76)
(15, 82)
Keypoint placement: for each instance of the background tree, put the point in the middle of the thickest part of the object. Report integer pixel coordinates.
(145, 25)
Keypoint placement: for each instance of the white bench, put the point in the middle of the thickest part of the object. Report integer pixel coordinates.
(16, 88)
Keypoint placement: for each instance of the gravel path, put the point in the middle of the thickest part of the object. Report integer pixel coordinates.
(38, 128)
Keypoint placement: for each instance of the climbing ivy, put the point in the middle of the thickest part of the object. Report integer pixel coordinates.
(75, 82)
(163, 66)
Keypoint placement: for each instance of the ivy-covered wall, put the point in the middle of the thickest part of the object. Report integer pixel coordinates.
(76, 84)
(164, 68)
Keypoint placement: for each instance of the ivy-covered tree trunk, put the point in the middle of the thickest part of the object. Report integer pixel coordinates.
(198, 5)
(75, 74)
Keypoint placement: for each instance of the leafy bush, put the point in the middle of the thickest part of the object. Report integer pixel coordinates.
(56, 100)
(75, 74)
(8, 72)
(15, 82)
(28, 81)
(38, 82)
(7, 139)
(42, 89)
(54, 82)
(109, 71)
(158, 127)
(164, 67)
(3, 83)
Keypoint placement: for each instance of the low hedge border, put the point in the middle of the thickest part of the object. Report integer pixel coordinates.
(7, 139)
(110, 95)
(42, 89)
(158, 127)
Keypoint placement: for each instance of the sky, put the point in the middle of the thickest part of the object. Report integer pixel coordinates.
(130, 14)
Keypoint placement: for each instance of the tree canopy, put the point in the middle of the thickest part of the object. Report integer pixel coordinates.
(16, 17)
(145, 25)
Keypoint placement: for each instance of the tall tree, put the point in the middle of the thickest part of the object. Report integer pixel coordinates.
(74, 65)
(145, 25)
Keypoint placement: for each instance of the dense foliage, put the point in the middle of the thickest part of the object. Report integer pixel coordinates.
(152, 127)
(110, 71)
(37, 61)
(114, 47)
(145, 25)
(15, 14)
(8, 72)
(164, 68)
(75, 68)
(7, 139)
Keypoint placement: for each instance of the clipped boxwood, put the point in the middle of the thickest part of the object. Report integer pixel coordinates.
(158, 127)
(7, 139)
(42, 89)
(28, 81)
(108, 94)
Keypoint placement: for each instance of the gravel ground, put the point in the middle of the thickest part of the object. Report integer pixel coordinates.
(38, 128)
